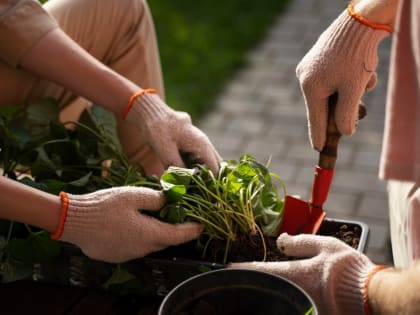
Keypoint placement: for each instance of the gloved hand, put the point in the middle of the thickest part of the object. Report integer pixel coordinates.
(343, 60)
(107, 226)
(171, 133)
(330, 271)
(138, 151)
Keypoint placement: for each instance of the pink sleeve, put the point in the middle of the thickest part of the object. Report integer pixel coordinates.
(22, 24)
(400, 159)
(414, 225)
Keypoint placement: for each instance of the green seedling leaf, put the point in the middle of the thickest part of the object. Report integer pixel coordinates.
(172, 213)
(178, 176)
(174, 193)
(234, 184)
(119, 276)
(175, 182)
(271, 225)
(245, 171)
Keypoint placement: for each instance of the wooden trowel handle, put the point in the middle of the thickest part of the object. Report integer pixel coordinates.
(328, 155)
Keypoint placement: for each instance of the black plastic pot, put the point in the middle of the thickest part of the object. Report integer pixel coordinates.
(237, 292)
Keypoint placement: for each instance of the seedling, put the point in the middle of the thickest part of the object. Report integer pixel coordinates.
(241, 199)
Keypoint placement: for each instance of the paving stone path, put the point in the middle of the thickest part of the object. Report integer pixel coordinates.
(261, 112)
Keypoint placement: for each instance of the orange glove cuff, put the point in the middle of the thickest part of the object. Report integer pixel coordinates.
(374, 270)
(365, 21)
(63, 216)
(132, 99)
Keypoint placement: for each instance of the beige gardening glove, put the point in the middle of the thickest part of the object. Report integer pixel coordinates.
(138, 151)
(330, 271)
(343, 60)
(171, 134)
(107, 225)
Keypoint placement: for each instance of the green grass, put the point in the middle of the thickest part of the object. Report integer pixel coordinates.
(203, 42)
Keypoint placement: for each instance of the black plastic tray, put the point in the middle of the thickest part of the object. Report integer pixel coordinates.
(157, 274)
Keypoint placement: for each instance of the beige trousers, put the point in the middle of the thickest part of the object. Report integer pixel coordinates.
(402, 197)
(119, 33)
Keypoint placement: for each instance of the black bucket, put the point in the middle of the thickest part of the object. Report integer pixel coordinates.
(237, 292)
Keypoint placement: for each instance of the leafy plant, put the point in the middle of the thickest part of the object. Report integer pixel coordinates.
(40, 151)
(241, 199)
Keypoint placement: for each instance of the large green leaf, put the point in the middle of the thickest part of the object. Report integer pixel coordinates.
(44, 167)
(175, 182)
(107, 124)
(37, 248)
(39, 117)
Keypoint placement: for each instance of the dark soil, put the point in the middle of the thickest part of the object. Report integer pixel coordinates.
(250, 248)
(245, 248)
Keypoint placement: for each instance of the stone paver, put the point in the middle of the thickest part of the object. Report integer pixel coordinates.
(262, 112)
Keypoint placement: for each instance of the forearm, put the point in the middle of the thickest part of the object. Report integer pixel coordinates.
(58, 58)
(377, 11)
(395, 291)
(25, 204)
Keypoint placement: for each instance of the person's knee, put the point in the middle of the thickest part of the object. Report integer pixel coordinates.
(120, 9)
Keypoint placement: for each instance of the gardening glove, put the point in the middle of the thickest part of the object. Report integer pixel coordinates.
(343, 60)
(331, 272)
(108, 226)
(171, 134)
(137, 150)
